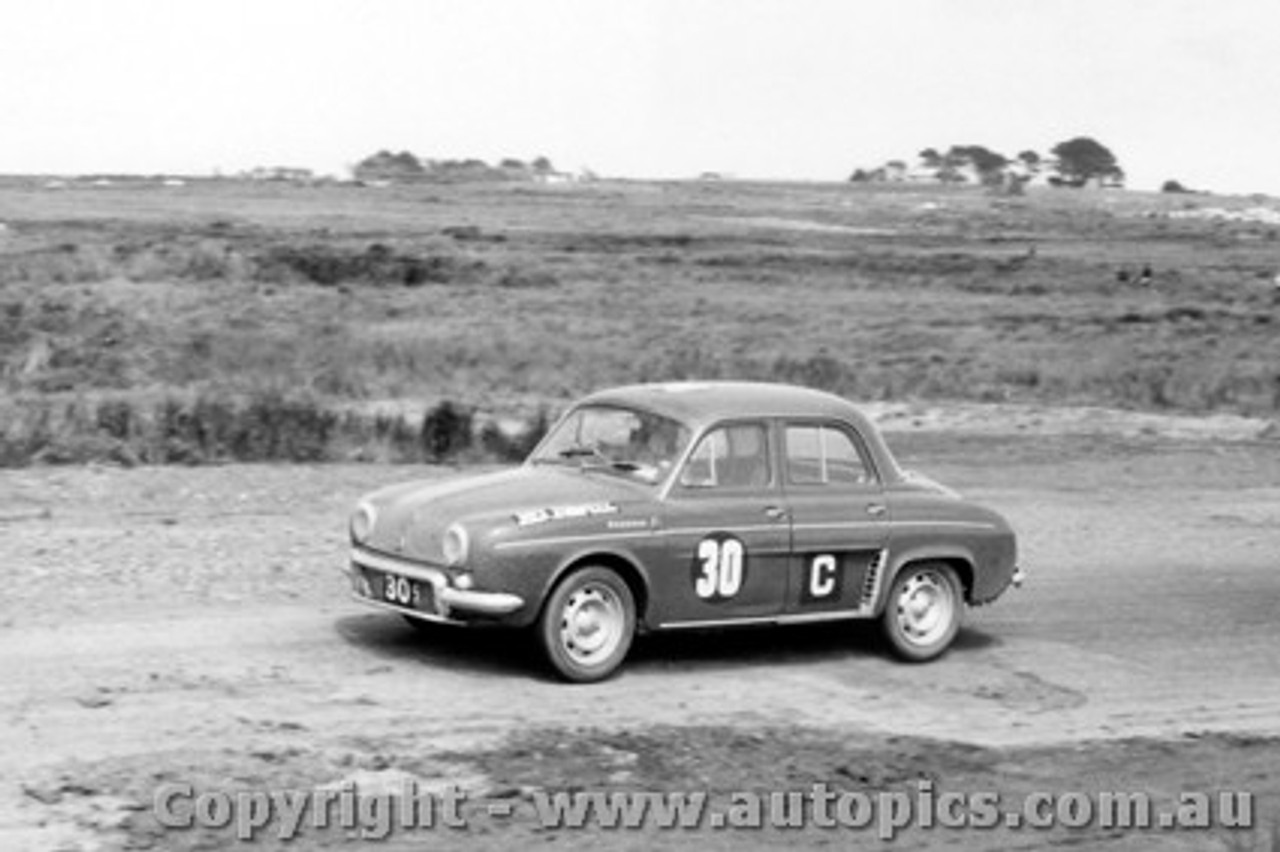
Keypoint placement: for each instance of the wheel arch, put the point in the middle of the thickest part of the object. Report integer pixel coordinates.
(959, 560)
(627, 567)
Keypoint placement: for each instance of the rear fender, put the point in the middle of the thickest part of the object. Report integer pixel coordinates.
(960, 558)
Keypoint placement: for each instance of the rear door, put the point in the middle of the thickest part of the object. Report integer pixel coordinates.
(839, 518)
(724, 537)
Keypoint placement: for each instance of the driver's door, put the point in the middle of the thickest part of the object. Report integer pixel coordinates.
(724, 538)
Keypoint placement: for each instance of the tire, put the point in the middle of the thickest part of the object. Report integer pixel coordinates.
(924, 611)
(587, 624)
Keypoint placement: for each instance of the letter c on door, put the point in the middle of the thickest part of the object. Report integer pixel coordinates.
(822, 575)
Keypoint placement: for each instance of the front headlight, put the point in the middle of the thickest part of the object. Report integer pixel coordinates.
(362, 522)
(455, 545)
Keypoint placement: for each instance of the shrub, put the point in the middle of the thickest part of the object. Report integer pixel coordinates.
(446, 431)
(376, 264)
(115, 419)
(268, 426)
(275, 428)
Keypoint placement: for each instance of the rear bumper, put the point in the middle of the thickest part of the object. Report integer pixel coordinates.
(998, 586)
(446, 600)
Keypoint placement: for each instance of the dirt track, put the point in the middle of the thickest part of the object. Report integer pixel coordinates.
(191, 624)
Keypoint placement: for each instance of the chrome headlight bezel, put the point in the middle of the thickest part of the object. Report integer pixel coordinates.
(363, 520)
(455, 545)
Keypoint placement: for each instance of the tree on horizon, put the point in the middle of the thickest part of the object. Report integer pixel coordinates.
(1083, 159)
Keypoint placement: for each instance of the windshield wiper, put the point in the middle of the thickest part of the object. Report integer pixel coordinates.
(581, 451)
(599, 459)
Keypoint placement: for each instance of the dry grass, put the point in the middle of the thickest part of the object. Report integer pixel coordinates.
(509, 299)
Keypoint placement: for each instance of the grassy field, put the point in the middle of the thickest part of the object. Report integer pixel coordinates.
(236, 320)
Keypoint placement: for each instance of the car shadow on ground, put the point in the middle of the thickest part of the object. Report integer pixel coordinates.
(485, 651)
(476, 650)
(767, 645)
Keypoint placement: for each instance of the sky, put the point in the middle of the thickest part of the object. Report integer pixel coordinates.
(772, 89)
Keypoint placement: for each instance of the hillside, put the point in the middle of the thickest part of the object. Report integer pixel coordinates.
(131, 313)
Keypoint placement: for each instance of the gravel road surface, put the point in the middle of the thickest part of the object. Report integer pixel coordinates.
(191, 624)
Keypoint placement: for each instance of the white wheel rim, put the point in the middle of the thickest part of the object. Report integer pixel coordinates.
(926, 608)
(591, 624)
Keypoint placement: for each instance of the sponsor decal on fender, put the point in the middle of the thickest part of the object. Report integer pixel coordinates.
(564, 513)
(628, 524)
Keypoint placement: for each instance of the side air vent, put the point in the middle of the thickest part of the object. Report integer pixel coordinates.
(871, 584)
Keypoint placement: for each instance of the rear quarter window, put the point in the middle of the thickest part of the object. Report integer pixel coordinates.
(824, 455)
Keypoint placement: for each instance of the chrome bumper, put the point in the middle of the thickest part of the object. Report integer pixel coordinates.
(446, 598)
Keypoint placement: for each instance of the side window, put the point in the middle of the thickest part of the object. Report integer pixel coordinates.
(729, 457)
(824, 455)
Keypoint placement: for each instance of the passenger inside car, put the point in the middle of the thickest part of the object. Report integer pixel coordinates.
(729, 457)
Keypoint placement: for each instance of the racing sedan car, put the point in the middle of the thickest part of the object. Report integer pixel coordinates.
(686, 505)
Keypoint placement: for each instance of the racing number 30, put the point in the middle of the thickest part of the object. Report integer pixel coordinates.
(719, 568)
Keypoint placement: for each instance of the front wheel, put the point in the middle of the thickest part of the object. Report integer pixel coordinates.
(587, 624)
(924, 611)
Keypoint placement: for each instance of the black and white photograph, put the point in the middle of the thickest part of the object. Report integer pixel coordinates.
(640, 424)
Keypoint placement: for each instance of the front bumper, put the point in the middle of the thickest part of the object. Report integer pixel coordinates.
(447, 601)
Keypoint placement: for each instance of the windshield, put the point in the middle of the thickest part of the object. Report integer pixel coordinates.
(638, 444)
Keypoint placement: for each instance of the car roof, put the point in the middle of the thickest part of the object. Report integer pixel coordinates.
(697, 403)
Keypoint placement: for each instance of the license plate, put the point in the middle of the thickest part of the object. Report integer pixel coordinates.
(402, 591)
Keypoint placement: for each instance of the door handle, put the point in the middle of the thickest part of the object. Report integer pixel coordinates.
(775, 513)
(876, 509)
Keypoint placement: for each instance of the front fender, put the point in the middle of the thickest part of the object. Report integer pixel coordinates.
(616, 556)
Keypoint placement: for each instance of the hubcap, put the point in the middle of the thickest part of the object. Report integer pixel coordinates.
(926, 608)
(591, 624)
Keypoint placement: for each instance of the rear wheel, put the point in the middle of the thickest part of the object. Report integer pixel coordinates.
(587, 624)
(924, 611)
